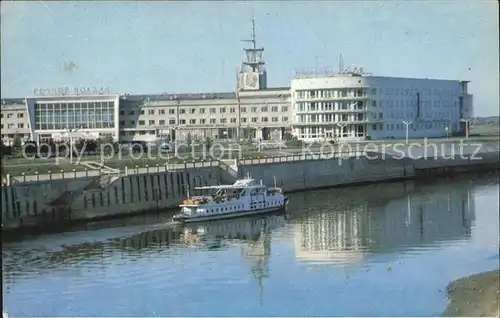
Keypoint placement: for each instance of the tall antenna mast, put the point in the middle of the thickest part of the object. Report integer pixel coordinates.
(254, 54)
(254, 42)
(341, 64)
(253, 75)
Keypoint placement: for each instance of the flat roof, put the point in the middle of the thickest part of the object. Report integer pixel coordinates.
(152, 97)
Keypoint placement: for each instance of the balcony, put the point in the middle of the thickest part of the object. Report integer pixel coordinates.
(347, 122)
(331, 98)
(331, 111)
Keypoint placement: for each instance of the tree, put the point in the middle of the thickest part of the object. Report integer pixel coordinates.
(17, 143)
(189, 141)
(208, 144)
(109, 146)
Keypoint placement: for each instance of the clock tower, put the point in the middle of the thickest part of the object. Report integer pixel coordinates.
(253, 75)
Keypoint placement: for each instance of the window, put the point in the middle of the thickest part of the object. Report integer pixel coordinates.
(275, 119)
(274, 109)
(212, 120)
(202, 110)
(192, 121)
(232, 110)
(182, 121)
(212, 110)
(381, 115)
(151, 112)
(222, 110)
(171, 111)
(171, 122)
(264, 109)
(243, 109)
(374, 103)
(162, 122)
(254, 109)
(151, 122)
(300, 95)
(192, 110)
(254, 119)
(162, 111)
(142, 122)
(374, 91)
(243, 120)
(202, 121)
(374, 127)
(233, 120)
(182, 111)
(284, 108)
(223, 120)
(264, 119)
(19, 115)
(284, 118)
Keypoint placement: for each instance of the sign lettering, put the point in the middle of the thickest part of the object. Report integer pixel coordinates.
(62, 91)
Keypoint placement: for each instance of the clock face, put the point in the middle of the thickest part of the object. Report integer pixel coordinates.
(252, 80)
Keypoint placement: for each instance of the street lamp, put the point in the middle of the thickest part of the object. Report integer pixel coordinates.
(407, 124)
(70, 133)
(466, 121)
(341, 131)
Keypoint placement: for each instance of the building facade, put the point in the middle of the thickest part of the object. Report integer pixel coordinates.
(344, 105)
(352, 105)
(252, 111)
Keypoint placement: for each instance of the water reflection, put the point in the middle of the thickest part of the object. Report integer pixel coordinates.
(151, 268)
(252, 234)
(339, 228)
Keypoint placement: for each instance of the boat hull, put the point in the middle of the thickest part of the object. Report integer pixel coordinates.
(232, 215)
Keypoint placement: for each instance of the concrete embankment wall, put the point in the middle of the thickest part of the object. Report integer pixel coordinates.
(317, 173)
(434, 167)
(312, 174)
(137, 193)
(25, 205)
(45, 203)
(30, 198)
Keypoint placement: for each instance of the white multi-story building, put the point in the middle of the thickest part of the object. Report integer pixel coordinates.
(252, 111)
(349, 105)
(353, 105)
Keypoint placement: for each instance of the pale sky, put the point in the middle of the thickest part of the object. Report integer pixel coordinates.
(175, 47)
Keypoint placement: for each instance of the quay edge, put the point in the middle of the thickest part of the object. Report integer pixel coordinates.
(58, 203)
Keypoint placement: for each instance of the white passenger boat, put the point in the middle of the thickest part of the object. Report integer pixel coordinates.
(244, 197)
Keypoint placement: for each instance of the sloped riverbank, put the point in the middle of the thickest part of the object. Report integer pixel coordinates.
(474, 296)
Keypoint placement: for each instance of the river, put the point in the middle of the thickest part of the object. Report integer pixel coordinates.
(381, 250)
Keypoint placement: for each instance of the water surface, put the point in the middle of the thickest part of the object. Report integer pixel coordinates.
(385, 250)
